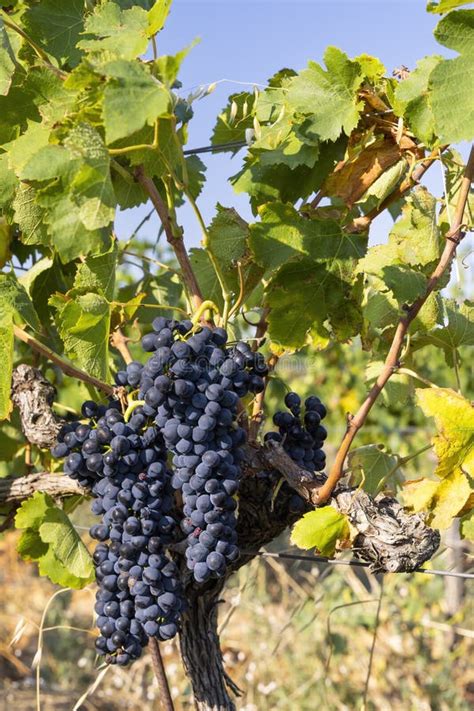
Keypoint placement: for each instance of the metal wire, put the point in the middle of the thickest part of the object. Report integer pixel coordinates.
(353, 563)
(215, 149)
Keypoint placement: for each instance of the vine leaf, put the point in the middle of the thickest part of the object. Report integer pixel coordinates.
(467, 526)
(115, 32)
(97, 274)
(57, 27)
(322, 529)
(308, 301)
(84, 325)
(283, 233)
(452, 80)
(445, 5)
(329, 98)
(454, 419)
(57, 530)
(7, 61)
(6, 355)
(229, 242)
(454, 448)
(50, 539)
(130, 84)
(458, 330)
(412, 100)
(370, 465)
(157, 16)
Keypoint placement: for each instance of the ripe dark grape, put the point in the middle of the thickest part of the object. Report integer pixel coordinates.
(125, 466)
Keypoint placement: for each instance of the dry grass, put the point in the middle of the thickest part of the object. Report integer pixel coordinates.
(295, 636)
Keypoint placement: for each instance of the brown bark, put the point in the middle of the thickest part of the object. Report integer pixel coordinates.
(33, 395)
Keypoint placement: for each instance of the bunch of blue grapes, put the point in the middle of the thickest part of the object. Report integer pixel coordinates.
(301, 433)
(124, 464)
(192, 384)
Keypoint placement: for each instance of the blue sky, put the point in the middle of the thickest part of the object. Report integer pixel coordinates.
(249, 40)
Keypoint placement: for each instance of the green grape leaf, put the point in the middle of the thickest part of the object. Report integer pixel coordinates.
(7, 60)
(157, 16)
(196, 178)
(66, 229)
(454, 420)
(29, 216)
(467, 526)
(130, 84)
(322, 529)
(8, 181)
(371, 467)
(25, 146)
(206, 276)
(283, 233)
(97, 274)
(57, 530)
(16, 109)
(84, 325)
(91, 187)
(166, 67)
(416, 234)
(233, 121)
(57, 26)
(13, 296)
(6, 237)
(306, 296)
(412, 100)
(6, 355)
(30, 546)
(51, 567)
(128, 192)
(228, 241)
(280, 182)
(451, 83)
(454, 173)
(457, 331)
(442, 6)
(32, 511)
(329, 97)
(456, 31)
(399, 388)
(116, 32)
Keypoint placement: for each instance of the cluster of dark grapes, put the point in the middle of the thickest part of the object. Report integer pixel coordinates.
(188, 398)
(301, 434)
(124, 463)
(192, 384)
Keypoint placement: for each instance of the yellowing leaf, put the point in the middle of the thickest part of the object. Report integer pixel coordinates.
(157, 16)
(454, 418)
(443, 500)
(320, 529)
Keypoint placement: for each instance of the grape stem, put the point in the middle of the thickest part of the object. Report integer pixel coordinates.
(66, 367)
(391, 365)
(174, 240)
(119, 340)
(166, 702)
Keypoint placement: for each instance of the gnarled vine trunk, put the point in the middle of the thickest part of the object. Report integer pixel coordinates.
(202, 655)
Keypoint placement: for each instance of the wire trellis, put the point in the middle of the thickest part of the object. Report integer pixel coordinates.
(353, 563)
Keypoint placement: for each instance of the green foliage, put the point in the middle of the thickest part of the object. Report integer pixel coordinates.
(50, 539)
(452, 80)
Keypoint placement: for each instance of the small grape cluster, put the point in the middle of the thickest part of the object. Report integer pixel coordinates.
(301, 439)
(192, 384)
(124, 463)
